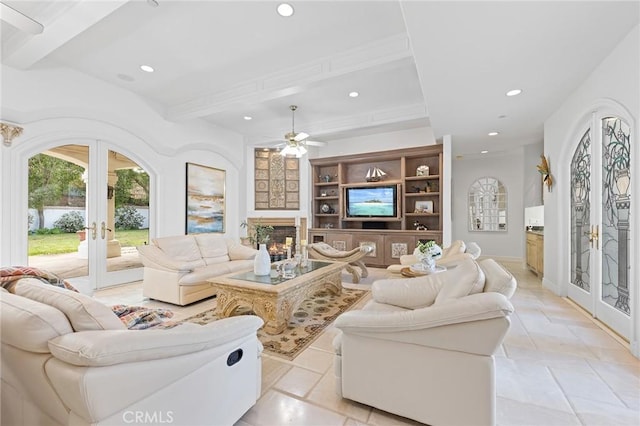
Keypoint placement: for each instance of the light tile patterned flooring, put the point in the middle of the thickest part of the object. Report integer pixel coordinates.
(555, 367)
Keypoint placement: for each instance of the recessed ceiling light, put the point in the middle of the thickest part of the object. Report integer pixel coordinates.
(484, 152)
(492, 133)
(354, 94)
(248, 117)
(146, 68)
(502, 116)
(285, 9)
(514, 92)
(125, 77)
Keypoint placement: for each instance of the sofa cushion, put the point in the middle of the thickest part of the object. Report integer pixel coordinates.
(240, 252)
(462, 280)
(183, 248)
(213, 248)
(457, 246)
(83, 312)
(201, 275)
(498, 279)
(29, 325)
(407, 293)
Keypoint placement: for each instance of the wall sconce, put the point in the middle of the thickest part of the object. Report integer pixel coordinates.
(110, 192)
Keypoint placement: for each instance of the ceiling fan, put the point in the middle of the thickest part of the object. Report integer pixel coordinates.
(296, 142)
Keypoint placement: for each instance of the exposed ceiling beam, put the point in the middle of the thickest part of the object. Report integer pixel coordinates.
(386, 52)
(25, 51)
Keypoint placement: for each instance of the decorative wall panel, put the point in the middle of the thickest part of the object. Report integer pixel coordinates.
(277, 181)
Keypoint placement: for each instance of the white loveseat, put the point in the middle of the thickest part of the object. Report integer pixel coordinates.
(68, 360)
(423, 347)
(176, 269)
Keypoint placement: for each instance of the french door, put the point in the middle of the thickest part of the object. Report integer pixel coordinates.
(600, 234)
(101, 259)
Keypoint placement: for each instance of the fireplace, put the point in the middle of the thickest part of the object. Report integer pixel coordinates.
(283, 228)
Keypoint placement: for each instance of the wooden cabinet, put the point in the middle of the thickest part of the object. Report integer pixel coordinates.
(535, 252)
(416, 173)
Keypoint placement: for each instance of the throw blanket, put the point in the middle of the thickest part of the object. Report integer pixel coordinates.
(133, 317)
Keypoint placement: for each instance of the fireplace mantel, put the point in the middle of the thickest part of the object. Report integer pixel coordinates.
(280, 221)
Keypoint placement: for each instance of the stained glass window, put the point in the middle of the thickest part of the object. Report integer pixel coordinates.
(616, 197)
(580, 215)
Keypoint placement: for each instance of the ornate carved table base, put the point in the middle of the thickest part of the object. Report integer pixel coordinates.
(275, 303)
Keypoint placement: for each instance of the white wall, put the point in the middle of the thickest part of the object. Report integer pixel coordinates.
(613, 87)
(60, 106)
(377, 142)
(507, 168)
(532, 190)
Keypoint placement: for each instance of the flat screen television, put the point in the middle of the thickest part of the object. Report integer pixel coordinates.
(372, 201)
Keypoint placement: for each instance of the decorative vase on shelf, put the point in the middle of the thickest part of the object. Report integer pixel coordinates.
(262, 261)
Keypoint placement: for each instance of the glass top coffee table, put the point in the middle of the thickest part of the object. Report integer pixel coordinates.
(272, 297)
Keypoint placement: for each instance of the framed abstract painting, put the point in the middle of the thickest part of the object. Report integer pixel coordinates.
(205, 201)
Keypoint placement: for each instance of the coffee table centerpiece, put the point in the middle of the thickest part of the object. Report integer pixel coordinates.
(273, 297)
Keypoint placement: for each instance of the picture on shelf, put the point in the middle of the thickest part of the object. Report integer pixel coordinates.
(424, 207)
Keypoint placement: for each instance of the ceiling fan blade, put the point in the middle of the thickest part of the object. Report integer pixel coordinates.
(315, 143)
(20, 20)
(300, 136)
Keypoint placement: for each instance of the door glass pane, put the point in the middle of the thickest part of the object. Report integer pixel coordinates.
(580, 216)
(57, 211)
(127, 224)
(616, 190)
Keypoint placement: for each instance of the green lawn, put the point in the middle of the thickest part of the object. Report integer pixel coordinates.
(68, 243)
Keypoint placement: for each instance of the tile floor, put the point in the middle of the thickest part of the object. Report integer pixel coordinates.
(555, 367)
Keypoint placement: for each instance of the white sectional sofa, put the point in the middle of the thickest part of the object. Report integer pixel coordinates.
(176, 269)
(69, 360)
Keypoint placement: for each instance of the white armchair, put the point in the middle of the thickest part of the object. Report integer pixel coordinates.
(423, 348)
(67, 360)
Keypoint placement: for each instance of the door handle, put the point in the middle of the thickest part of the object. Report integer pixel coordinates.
(103, 229)
(594, 235)
(93, 230)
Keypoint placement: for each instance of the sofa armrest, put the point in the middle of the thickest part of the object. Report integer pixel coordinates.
(407, 293)
(153, 257)
(110, 347)
(474, 324)
(475, 307)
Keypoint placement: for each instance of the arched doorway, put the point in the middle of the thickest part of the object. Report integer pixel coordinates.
(114, 206)
(600, 235)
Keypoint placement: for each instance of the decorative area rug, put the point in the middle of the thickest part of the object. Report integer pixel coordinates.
(307, 323)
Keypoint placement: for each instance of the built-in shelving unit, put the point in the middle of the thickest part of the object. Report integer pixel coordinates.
(419, 201)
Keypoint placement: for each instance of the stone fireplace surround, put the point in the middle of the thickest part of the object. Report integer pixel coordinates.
(282, 226)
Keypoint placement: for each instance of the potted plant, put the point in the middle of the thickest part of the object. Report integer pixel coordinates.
(257, 232)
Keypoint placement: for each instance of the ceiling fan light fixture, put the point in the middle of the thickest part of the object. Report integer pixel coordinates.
(297, 150)
(285, 10)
